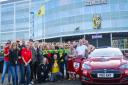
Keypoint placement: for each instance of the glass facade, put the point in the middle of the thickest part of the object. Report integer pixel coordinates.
(15, 20)
(19, 19)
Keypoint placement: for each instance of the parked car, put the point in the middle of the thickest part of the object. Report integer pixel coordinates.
(105, 66)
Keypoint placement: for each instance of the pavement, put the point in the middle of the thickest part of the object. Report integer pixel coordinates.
(64, 82)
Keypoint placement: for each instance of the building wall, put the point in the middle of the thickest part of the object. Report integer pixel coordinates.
(61, 18)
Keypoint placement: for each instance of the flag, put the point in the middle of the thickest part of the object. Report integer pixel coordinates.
(41, 11)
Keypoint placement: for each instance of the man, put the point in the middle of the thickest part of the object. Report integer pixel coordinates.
(35, 60)
(81, 49)
(62, 56)
(34, 63)
(90, 47)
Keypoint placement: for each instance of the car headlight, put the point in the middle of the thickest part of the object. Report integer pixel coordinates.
(124, 66)
(86, 66)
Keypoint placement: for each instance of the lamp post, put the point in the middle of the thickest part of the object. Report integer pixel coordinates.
(32, 24)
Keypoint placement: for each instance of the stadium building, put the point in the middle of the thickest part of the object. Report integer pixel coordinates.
(102, 22)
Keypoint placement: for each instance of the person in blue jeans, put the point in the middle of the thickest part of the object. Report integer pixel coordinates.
(14, 73)
(24, 72)
(21, 63)
(55, 69)
(5, 69)
(26, 56)
(6, 63)
(13, 56)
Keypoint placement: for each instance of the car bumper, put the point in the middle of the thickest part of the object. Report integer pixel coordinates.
(120, 81)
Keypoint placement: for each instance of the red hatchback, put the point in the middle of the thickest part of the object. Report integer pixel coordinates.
(105, 66)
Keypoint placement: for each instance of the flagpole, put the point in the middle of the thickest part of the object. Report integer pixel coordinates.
(44, 27)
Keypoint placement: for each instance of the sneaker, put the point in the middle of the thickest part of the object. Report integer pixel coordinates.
(69, 79)
(30, 84)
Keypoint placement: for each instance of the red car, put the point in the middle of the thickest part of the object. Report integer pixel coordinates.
(105, 66)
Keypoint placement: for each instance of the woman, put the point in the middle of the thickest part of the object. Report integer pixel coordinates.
(26, 58)
(13, 55)
(72, 54)
(6, 63)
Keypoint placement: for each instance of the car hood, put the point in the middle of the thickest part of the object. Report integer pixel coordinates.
(105, 62)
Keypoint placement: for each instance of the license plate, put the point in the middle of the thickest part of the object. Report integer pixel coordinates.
(105, 75)
(76, 65)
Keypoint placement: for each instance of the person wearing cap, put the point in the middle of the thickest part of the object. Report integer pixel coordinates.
(6, 63)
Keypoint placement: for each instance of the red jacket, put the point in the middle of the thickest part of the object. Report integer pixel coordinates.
(6, 51)
(26, 55)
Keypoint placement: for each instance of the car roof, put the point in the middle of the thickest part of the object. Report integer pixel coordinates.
(107, 48)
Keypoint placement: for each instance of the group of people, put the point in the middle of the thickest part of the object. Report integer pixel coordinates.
(36, 62)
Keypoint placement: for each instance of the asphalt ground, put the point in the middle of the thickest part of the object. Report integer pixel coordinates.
(64, 82)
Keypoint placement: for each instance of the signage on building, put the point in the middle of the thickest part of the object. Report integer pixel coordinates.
(97, 36)
(96, 21)
(95, 2)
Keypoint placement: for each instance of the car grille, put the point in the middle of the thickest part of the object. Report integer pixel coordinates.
(116, 73)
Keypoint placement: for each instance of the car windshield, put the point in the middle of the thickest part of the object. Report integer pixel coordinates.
(106, 52)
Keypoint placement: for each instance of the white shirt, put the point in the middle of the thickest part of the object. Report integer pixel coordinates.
(81, 50)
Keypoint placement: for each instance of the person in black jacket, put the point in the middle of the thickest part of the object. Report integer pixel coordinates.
(43, 71)
(13, 55)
